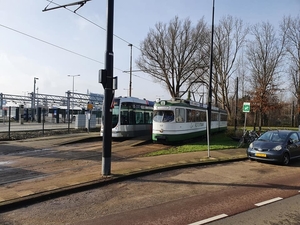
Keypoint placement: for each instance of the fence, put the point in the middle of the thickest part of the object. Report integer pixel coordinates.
(11, 129)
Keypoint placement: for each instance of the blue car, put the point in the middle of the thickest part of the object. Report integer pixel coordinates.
(276, 146)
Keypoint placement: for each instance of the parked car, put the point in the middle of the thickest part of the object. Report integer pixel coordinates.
(276, 146)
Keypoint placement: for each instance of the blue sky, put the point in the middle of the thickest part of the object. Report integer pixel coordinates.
(22, 58)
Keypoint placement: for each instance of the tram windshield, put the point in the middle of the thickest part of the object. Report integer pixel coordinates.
(115, 113)
(163, 116)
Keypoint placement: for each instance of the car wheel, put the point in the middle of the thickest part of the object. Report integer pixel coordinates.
(286, 159)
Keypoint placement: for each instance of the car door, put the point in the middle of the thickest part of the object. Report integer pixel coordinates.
(294, 148)
(297, 151)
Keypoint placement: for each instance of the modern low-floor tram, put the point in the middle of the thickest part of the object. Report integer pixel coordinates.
(131, 117)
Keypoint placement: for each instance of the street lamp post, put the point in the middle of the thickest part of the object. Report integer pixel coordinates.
(210, 79)
(73, 81)
(33, 99)
(130, 79)
(73, 76)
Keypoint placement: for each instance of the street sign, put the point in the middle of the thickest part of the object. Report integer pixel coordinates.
(246, 107)
(90, 106)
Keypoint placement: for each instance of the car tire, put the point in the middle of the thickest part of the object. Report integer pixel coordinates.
(285, 159)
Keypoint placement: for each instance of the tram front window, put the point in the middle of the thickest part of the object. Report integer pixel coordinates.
(163, 116)
(115, 117)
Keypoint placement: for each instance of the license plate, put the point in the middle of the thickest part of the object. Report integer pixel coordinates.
(260, 155)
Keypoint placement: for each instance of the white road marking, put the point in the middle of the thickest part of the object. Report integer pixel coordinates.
(268, 201)
(209, 219)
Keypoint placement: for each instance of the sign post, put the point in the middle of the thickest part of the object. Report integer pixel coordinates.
(246, 109)
(90, 107)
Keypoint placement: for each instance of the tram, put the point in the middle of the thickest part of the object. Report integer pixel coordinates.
(131, 117)
(177, 120)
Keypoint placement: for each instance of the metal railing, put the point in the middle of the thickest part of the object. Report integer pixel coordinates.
(11, 129)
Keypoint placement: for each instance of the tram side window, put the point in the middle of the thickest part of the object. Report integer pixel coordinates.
(139, 117)
(147, 117)
(214, 117)
(223, 117)
(179, 115)
(125, 113)
(202, 116)
(190, 115)
(131, 118)
(197, 116)
(124, 118)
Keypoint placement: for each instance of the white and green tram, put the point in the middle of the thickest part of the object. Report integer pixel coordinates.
(177, 120)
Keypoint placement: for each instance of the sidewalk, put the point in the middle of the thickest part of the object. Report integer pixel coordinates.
(83, 176)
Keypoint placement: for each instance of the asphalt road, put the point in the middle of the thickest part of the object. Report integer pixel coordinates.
(285, 211)
(183, 196)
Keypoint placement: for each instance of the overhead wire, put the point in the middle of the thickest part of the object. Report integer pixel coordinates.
(46, 42)
(90, 21)
(97, 25)
(65, 49)
(62, 48)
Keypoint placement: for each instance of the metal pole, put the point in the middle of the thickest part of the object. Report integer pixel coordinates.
(73, 89)
(33, 101)
(236, 103)
(208, 140)
(210, 70)
(108, 92)
(68, 107)
(37, 103)
(130, 79)
(1, 101)
(9, 115)
(72, 107)
(43, 120)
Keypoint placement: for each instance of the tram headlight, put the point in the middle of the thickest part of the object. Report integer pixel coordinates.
(161, 130)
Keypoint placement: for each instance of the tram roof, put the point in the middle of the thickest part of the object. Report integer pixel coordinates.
(185, 103)
(135, 99)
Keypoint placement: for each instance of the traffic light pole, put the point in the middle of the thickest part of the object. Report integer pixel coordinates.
(107, 82)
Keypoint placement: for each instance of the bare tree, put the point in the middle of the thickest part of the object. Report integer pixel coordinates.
(265, 54)
(230, 37)
(291, 28)
(173, 54)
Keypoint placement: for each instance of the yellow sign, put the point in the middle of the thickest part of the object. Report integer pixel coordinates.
(90, 106)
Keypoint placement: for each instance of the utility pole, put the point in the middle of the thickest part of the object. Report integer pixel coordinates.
(130, 79)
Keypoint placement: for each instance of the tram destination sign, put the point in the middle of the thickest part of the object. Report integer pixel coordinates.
(246, 107)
